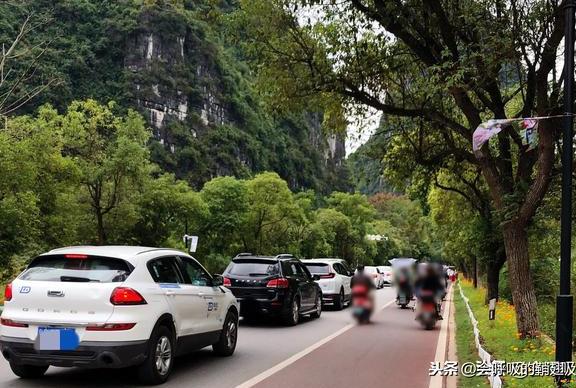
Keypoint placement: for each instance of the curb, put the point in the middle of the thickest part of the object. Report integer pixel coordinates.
(442, 347)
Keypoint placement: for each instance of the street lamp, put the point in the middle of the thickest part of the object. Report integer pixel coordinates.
(564, 300)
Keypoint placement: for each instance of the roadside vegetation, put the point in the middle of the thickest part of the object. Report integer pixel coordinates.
(500, 337)
(465, 347)
(85, 176)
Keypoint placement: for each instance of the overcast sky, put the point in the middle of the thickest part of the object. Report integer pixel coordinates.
(360, 129)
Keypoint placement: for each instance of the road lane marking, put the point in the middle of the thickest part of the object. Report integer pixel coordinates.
(437, 381)
(278, 367)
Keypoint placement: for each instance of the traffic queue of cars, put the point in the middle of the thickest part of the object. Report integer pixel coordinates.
(122, 306)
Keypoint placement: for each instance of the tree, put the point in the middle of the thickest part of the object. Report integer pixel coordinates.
(227, 201)
(35, 207)
(354, 206)
(408, 221)
(270, 204)
(165, 207)
(110, 154)
(338, 234)
(442, 65)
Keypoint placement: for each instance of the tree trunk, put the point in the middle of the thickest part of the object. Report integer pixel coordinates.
(492, 280)
(523, 294)
(475, 272)
(100, 227)
(493, 268)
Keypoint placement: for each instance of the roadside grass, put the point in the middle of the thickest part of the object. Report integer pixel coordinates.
(465, 347)
(500, 339)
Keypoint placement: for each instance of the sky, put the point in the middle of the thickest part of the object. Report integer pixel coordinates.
(360, 128)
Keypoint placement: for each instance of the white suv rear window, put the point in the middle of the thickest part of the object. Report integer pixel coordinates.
(318, 268)
(77, 268)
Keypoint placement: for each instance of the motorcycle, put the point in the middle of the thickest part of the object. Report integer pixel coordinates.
(404, 294)
(362, 304)
(428, 309)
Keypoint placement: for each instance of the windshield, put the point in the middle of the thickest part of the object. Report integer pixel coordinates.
(318, 268)
(77, 268)
(253, 268)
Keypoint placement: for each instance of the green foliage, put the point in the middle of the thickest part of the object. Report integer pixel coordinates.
(85, 176)
(111, 158)
(94, 50)
(407, 226)
(166, 206)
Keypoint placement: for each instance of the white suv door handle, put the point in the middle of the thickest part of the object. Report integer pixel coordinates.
(170, 293)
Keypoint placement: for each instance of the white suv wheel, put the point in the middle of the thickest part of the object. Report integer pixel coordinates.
(163, 355)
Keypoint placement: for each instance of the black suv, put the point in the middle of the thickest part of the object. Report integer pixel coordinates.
(276, 285)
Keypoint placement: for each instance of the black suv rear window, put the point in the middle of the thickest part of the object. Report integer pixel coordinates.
(317, 268)
(253, 268)
(77, 268)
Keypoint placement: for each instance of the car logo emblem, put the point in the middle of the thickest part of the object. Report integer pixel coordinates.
(24, 290)
(56, 293)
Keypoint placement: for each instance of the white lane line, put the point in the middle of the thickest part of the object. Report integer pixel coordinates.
(278, 367)
(437, 381)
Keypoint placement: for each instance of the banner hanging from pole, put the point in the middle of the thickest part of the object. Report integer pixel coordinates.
(528, 130)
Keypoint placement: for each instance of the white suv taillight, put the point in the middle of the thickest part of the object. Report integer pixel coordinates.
(8, 292)
(126, 296)
(111, 327)
(11, 323)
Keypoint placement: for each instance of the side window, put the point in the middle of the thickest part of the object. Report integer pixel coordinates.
(165, 270)
(302, 271)
(295, 270)
(339, 269)
(347, 270)
(196, 274)
(287, 268)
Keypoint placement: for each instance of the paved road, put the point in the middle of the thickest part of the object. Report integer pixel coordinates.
(376, 354)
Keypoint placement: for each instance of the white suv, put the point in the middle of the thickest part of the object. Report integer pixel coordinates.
(334, 280)
(386, 272)
(112, 307)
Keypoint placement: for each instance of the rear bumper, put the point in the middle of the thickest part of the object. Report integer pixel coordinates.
(251, 306)
(329, 298)
(88, 354)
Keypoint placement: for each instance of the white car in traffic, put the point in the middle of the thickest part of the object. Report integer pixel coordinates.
(374, 274)
(386, 272)
(113, 307)
(334, 280)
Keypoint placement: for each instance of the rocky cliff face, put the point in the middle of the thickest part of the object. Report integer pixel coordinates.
(173, 80)
(178, 80)
(172, 61)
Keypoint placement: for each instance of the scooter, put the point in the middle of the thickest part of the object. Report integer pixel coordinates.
(428, 310)
(362, 304)
(404, 294)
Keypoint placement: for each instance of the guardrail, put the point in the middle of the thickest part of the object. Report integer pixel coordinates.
(495, 381)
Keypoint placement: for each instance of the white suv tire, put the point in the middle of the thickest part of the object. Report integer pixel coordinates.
(228, 337)
(158, 364)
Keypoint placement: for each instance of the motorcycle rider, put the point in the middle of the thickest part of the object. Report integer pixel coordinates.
(362, 294)
(403, 281)
(360, 278)
(430, 281)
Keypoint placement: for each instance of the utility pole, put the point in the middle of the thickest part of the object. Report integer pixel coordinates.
(564, 300)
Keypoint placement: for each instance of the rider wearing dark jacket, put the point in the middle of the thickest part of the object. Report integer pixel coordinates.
(431, 282)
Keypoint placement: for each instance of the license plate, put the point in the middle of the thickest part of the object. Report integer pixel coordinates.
(50, 338)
